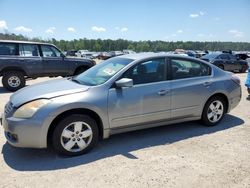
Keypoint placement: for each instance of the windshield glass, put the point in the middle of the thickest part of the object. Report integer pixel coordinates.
(102, 72)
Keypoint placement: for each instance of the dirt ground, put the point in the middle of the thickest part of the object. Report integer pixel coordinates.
(181, 155)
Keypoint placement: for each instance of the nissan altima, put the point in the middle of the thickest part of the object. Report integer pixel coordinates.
(124, 93)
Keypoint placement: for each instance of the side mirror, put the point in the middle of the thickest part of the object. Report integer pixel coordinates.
(124, 82)
(62, 55)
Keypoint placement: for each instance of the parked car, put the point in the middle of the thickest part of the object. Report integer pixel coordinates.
(79, 53)
(20, 60)
(128, 51)
(243, 56)
(115, 53)
(124, 93)
(104, 56)
(226, 61)
(72, 53)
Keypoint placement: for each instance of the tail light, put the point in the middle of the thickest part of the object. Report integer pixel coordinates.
(236, 79)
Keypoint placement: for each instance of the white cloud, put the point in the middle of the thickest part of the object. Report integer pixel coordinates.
(174, 35)
(71, 29)
(3, 25)
(23, 29)
(179, 31)
(124, 29)
(194, 15)
(236, 33)
(50, 30)
(98, 29)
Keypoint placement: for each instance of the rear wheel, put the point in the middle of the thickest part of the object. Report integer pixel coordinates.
(214, 111)
(248, 90)
(13, 80)
(75, 135)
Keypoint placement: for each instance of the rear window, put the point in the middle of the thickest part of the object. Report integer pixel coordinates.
(8, 49)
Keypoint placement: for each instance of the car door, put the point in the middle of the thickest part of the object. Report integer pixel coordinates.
(147, 101)
(30, 58)
(229, 64)
(236, 64)
(190, 86)
(53, 61)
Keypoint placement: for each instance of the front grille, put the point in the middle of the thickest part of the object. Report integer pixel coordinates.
(8, 108)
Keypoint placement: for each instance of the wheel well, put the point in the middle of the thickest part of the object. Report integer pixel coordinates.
(13, 69)
(222, 96)
(88, 112)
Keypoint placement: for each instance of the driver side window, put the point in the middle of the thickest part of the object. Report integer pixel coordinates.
(147, 72)
(50, 51)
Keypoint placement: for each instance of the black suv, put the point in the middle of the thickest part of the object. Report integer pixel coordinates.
(20, 60)
(226, 61)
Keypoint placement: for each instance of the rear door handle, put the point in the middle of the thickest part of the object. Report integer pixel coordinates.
(163, 92)
(207, 83)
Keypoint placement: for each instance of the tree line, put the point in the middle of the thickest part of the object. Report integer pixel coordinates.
(99, 45)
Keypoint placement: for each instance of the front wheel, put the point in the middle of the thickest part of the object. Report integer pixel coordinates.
(75, 135)
(214, 111)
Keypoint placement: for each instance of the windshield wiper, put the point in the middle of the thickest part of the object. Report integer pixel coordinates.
(75, 80)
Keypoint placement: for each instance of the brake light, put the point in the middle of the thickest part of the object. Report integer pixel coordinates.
(236, 79)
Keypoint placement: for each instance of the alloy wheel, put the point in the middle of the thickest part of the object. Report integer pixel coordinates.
(215, 111)
(76, 136)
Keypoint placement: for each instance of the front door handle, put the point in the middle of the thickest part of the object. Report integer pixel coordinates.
(163, 92)
(207, 83)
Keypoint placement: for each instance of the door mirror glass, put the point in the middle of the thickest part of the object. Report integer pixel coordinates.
(62, 55)
(124, 82)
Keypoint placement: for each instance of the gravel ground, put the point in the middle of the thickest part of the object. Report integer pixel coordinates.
(181, 155)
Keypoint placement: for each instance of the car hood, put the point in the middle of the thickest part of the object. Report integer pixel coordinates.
(46, 90)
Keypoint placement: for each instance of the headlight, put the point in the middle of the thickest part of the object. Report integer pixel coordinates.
(28, 110)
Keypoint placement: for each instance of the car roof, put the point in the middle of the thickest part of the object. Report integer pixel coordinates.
(23, 42)
(146, 55)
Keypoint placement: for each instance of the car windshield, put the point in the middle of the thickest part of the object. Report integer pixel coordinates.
(210, 56)
(102, 72)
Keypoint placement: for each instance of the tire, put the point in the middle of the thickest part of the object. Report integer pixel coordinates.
(213, 117)
(80, 70)
(13, 80)
(248, 90)
(243, 69)
(221, 67)
(69, 140)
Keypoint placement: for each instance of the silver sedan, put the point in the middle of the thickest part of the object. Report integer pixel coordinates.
(124, 93)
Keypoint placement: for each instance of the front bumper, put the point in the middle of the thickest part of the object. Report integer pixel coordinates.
(26, 133)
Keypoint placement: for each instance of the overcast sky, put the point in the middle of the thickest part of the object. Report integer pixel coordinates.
(168, 20)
